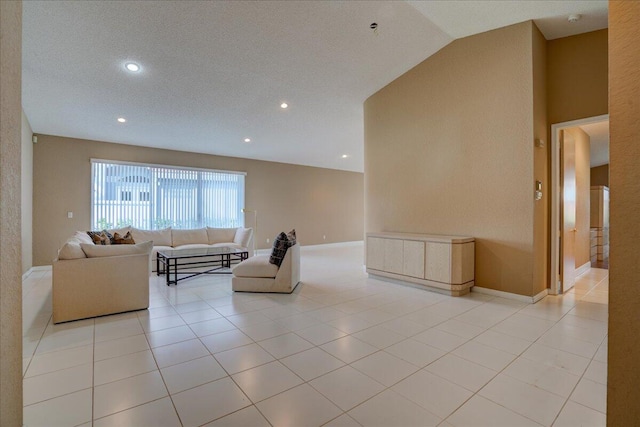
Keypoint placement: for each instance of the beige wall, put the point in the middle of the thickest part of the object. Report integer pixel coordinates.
(577, 75)
(600, 175)
(314, 201)
(624, 274)
(540, 164)
(449, 150)
(10, 257)
(582, 246)
(27, 194)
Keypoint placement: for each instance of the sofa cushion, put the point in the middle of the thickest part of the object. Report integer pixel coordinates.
(72, 250)
(154, 251)
(96, 251)
(100, 237)
(227, 245)
(82, 237)
(280, 246)
(291, 237)
(193, 246)
(127, 239)
(187, 237)
(221, 235)
(257, 266)
(243, 236)
(159, 237)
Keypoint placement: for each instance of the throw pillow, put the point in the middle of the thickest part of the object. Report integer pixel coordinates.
(127, 239)
(100, 237)
(291, 237)
(280, 246)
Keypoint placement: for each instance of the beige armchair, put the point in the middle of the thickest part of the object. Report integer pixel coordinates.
(257, 274)
(90, 287)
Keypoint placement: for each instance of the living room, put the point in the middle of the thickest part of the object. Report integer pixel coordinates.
(333, 205)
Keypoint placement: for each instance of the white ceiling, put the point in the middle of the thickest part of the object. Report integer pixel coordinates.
(215, 72)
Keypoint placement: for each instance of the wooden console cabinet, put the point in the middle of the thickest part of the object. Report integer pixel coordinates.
(441, 263)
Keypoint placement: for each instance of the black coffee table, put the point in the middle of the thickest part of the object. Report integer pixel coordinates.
(176, 262)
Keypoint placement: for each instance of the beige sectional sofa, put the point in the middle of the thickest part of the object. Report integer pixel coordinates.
(171, 238)
(93, 280)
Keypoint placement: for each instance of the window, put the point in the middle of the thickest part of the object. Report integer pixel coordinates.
(153, 196)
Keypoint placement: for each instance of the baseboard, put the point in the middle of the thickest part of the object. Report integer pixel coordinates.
(36, 268)
(335, 245)
(508, 295)
(322, 245)
(583, 268)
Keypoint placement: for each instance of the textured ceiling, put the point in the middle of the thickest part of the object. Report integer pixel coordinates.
(215, 72)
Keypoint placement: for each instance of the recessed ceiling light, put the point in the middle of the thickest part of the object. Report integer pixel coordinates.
(344, 156)
(247, 140)
(284, 105)
(132, 66)
(121, 119)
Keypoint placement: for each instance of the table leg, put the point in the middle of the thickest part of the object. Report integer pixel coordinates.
(175, 272)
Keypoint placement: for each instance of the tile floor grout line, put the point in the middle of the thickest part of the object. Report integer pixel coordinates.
(565, 399)
(351, 297)
(160, 373)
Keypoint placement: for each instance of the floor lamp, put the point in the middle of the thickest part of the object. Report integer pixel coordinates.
(255, 227)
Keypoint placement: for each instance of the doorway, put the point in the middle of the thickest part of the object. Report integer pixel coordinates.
(571, 211)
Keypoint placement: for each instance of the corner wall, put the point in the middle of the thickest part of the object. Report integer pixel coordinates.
(540, 164)
(316, 202)
(623, 392)
(10, 258)
(449, 150)
(27, 194)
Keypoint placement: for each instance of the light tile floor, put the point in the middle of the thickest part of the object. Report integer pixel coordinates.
(342, 350)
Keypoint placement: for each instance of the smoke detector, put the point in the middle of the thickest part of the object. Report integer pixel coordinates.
(574, 18)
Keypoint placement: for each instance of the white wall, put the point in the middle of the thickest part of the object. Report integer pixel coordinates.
(26, 173)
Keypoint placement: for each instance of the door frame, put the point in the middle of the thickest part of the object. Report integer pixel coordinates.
(555, 282)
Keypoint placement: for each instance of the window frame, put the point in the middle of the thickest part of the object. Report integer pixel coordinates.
(136, 190)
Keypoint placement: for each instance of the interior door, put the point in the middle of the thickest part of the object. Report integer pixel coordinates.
(567, 210)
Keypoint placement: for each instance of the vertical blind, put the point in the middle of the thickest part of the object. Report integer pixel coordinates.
(152, 197)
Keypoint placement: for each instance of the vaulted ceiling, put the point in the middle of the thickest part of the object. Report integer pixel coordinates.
(214, 73)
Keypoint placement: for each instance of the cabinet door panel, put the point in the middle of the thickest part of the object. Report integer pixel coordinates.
(437, 263)
(393, 249)
(375, 253)
(413, 260)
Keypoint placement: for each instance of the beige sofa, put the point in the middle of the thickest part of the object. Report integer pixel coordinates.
(257, 274)
(170, 238)
(93, 280)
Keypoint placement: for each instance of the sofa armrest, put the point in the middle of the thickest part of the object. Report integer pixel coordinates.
(244, 238)
(90, 287)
